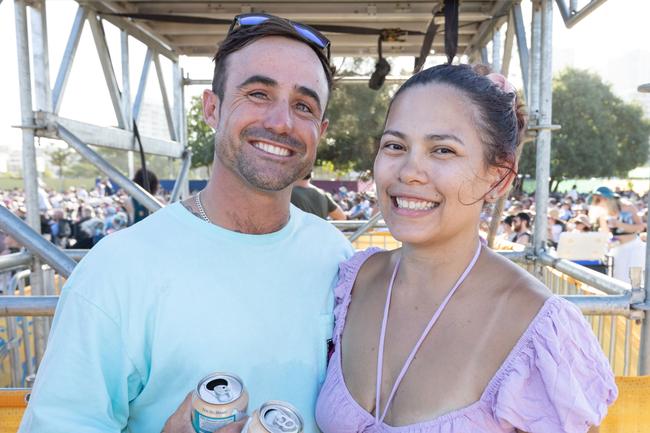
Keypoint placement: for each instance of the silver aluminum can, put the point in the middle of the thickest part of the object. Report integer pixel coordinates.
(218, 400)
(274, 417)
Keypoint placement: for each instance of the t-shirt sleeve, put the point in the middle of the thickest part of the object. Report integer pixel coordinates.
(86, 378)
(561, 381)
(331, 204)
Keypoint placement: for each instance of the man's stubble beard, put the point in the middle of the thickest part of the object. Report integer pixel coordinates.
(233, 158)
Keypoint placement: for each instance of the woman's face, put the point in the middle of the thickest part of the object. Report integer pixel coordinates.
(430, 170)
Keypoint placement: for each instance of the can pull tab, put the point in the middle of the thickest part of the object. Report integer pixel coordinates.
(284, 423)
(222, 392)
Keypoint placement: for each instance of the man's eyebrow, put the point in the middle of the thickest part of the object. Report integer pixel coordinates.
(443, 137)
(306, 91)
(395, 133)
(259, 79)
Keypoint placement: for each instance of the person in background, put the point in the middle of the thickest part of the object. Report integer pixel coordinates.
(136, 210)
(88, 229)
(507, 231)
(580, 224)
(60, 228)
(523, 234)
(573, 193)
(309, 198)
(555, 226)
(620, 218)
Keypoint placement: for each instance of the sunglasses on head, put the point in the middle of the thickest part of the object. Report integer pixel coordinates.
(307, 33)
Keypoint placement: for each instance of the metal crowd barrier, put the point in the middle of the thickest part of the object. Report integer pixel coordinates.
(23, 335)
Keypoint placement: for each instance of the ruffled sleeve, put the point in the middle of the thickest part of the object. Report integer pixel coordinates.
(348, 271)
(559, 380)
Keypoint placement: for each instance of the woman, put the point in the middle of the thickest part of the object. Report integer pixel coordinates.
(464, 340)
(620, 218)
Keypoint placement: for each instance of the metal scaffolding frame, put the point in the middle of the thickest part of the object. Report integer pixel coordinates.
(42, 119)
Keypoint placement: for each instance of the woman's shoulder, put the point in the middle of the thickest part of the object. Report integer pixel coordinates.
(523, 295)
(556, 368)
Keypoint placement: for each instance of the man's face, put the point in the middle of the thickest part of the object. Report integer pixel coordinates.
(517, 223)
(269, 123)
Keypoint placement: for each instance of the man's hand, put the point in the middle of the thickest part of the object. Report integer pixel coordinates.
(181, 420)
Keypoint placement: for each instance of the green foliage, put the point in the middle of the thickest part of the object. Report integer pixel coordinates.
(356, 115)
(200, 136)
(60, 158)
(601, 135)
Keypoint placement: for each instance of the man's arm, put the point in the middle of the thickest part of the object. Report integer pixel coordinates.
(334, 211)
(86, 379)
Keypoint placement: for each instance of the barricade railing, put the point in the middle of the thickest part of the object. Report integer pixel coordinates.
(25, 327)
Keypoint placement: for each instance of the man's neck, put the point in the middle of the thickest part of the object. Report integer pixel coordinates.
(231, 203)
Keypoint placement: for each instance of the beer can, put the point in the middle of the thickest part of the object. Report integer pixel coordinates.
(219, 399)
(274, 417)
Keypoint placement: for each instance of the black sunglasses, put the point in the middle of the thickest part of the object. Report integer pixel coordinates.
(307, 33)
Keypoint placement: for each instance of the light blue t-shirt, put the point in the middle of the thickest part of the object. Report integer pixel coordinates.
(154, 308)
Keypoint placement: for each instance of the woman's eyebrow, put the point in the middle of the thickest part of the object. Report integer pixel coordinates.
(443, 137)
(395, 133)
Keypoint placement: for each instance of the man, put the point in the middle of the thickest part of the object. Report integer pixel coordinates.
(312, 199)
(221, 282)
(522, 228)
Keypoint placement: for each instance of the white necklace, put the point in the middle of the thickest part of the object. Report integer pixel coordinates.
(197, 200)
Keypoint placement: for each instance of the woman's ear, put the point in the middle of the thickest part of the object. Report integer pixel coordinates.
(502, 178)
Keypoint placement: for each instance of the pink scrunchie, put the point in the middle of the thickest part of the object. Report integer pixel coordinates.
(502, 82)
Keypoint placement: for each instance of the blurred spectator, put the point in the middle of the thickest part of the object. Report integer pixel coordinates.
(148, 180)
(60, 228)
(580, 224)
(314, 200)
(523, 235)
(555, 226)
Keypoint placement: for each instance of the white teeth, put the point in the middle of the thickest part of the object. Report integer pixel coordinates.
(415, 204)
(273, 150)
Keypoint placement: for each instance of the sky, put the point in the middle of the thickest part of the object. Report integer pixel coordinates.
(614, 41)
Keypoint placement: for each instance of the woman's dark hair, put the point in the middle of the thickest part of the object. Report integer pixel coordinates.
(151, 177)
(501, 116)
(243, 36)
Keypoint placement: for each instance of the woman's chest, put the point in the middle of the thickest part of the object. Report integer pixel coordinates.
(451, 369)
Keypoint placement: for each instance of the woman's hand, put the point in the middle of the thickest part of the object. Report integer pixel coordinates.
(181, 420)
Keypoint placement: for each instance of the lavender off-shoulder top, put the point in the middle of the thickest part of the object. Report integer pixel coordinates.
(555, 380)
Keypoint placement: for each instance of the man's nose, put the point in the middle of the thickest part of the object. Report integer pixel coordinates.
(279, 118)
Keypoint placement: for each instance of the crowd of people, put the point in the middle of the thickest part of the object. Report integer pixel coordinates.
(603, 210)
(78, 217)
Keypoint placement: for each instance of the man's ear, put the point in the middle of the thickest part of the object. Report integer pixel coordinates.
(323, 126)
(211, 108)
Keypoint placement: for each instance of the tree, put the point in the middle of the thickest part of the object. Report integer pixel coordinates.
(60, 158)
(601, 135)
(200, 136)
(356, 115)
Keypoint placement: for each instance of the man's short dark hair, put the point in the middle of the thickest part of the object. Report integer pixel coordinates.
(524, 216)
(243, 36)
